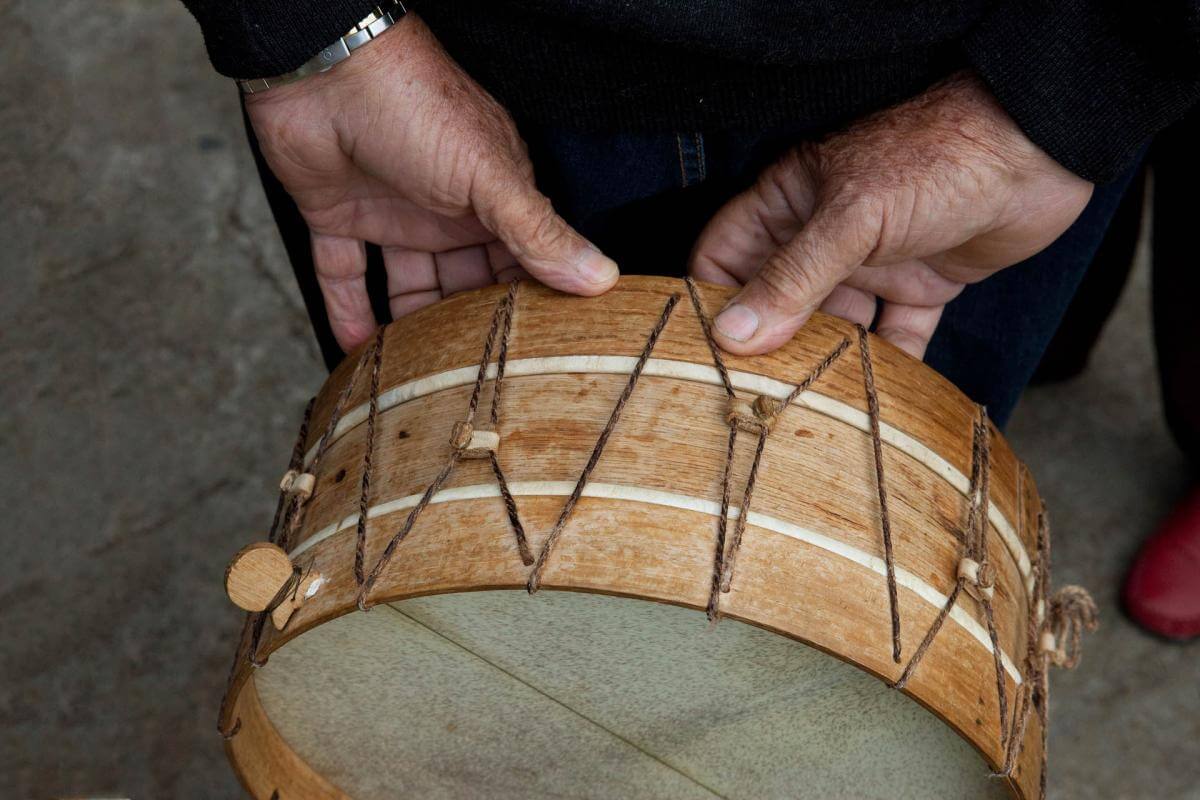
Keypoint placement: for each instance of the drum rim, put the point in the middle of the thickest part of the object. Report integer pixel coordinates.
(246, 699)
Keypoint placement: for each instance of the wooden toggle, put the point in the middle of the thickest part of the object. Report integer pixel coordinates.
(257, 574)
(299, 483)
(1049, 645)
(472, 443)
(752, 417)
(978, 579)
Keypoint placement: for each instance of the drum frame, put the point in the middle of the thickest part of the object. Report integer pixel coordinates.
(666, 556)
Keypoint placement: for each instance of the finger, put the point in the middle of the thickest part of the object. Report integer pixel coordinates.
(341, 267)
(499, 257)
(908, 327)
(412, 280)
(542, 241)
(504, 265)
(797, 278)
(851, 304)
(756, 223)
(709, 271)
(910, 282)
(383, 217)
(515, 273)
(463, 269)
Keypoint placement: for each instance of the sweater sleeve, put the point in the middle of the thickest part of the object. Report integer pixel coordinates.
(1090, 81)
(262, 38)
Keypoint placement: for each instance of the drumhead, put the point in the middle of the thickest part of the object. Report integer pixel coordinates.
(502, 695)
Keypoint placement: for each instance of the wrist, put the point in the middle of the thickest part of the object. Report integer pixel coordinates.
(981, 120)
(395, 50)
(361, 36)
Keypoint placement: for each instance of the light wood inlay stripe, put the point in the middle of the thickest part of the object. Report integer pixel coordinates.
(609, 491)
(697, 373)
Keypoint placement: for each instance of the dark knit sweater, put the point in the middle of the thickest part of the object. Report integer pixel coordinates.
(1090, 81)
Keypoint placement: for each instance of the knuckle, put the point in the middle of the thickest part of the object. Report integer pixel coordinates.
(933, 286)
(810, 158)
(787, 280)
(544, 230)
(860, 219)
(787, 168)
(540, 229)
(793, 179)
(906, 340)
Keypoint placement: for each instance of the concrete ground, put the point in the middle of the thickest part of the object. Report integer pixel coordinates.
(155, 357)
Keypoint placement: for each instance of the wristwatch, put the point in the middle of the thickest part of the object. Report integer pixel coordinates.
(379, 20)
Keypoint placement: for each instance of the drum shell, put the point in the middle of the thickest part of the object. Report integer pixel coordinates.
(817, 470)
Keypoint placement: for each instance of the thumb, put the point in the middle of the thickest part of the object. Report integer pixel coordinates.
(548, 248)
(748, 229)
(797, 277)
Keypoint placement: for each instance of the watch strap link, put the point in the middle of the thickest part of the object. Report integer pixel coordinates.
(379, 20)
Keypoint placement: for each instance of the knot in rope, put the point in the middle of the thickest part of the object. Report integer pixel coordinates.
(1072, 611)
(753, 417)
(467, 442)
(460, 435)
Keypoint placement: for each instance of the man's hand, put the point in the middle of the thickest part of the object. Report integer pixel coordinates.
(398, 146)
(905, 207)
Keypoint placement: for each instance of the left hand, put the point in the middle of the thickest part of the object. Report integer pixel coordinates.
(398, 146)
(902, 209)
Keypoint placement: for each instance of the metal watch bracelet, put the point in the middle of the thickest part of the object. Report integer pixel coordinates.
(379, 20)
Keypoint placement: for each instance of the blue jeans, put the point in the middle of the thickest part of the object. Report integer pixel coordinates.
(643, 199)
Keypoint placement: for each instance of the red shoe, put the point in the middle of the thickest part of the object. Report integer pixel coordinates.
(1162, 592)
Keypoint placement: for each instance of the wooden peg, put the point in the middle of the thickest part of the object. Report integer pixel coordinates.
(753, 417)
(482, 444)
(766, 409)
(978, 579)
(301, 483)
(472, 443)
(256, 575)
(310, 584)
(1048, 644)
(741, 414)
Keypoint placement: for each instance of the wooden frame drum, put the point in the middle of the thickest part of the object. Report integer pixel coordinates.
(538, 579)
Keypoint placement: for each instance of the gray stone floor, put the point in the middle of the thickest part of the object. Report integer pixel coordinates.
(155, 356)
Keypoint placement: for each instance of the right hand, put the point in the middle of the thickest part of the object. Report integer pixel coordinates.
(895, 215)
(398, 146)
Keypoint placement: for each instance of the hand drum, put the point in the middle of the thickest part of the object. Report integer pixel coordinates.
(532, 545)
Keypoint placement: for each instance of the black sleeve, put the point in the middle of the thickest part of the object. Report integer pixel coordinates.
(1090, 81)
(262, 38)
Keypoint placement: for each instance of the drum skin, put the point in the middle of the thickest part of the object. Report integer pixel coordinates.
(809, 565)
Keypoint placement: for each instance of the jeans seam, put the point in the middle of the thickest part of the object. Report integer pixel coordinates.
(682, 165)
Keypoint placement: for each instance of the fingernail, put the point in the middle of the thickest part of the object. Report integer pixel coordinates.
(737, 322)
(595, 267)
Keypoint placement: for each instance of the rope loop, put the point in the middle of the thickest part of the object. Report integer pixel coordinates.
(460, 436)
(1072, 611)
(468, 442)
